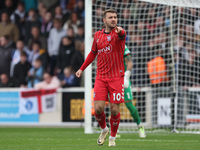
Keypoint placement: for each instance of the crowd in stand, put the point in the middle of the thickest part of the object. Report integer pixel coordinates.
(42, 39)
(41, 43)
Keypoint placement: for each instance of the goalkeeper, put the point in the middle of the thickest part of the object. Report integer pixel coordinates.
(128, 94)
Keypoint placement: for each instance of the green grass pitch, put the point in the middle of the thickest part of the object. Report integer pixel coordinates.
(75, 139)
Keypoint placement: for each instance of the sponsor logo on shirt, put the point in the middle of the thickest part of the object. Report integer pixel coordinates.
(106, 49)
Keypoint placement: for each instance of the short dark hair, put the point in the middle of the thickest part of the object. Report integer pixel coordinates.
(35, 26)
(38, 60)
(7, 37)
(37, 42)
(23, 54)
(108, 11)
(68, 37)
(21, 3)
(57, 20)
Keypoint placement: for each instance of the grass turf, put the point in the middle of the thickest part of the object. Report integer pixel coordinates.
(75, 139)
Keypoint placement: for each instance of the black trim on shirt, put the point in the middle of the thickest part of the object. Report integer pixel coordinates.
(104, 31)
(121, 37)
(93, 51)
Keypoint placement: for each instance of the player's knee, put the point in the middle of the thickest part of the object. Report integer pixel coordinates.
(114, 111)
(98, 109)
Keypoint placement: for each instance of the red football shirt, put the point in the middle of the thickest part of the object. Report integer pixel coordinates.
(109, 48)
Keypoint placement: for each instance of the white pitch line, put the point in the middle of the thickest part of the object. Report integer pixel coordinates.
(119, 139)
(146, 140)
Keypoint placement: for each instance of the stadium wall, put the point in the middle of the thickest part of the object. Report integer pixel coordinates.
(10, 115)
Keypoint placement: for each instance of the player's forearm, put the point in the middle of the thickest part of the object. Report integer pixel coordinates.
(129, 63)
(90, 58)
(127, 74)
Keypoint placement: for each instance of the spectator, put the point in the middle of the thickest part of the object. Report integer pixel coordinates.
(96, 18)
(74, 22)
(43, 56)
(6, 51)
(63, 4)
(193, 71)
(35, 74)
(71, 33)
(79, 9)
(157, 71)
(189, 32)
(49, 82)
(34, 53)
(78, 57)
(50, 5)
(21, 70)
(167, 16)
(80, 33)
(47, 24)
(32, 20)
(30, 4)
(150, 25)
(8, 28)
(55, 36)
(35, 36)
(40, 7)
(179, 46)
(70, 79)
(59, 14)
(197, 28)
(139, 61)
(70, 5)
(41, 13)
(6, 81)
(9, 7)
(16, 55)
(196, 70)
(40, 53)
(66, 51)
(18, 18)
(126, 18)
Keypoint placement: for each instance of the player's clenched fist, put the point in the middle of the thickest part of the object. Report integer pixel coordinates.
(118, 29)
(79, 73)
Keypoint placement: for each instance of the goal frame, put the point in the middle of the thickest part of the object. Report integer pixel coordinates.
(88, 72)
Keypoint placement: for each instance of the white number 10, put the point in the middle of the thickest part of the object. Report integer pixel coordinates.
(116, 96)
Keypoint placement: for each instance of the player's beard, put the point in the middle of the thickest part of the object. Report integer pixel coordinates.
(110, 26)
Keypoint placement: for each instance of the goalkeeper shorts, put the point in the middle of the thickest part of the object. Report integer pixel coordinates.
(128, 93)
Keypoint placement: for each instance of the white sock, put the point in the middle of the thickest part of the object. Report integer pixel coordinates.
(105, 129)
(111, 137)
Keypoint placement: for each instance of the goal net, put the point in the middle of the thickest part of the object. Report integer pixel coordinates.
(164, 39)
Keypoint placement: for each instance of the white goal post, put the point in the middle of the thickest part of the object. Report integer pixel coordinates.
(164, 39)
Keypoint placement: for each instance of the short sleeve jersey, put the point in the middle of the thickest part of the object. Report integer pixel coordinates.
(126, 53)
(109, 48)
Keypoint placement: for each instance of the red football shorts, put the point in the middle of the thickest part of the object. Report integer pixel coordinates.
(114, 87)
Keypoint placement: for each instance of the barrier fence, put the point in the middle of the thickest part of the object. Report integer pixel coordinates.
(68, 107)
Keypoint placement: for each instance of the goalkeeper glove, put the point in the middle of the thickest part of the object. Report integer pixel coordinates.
(126, 78)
